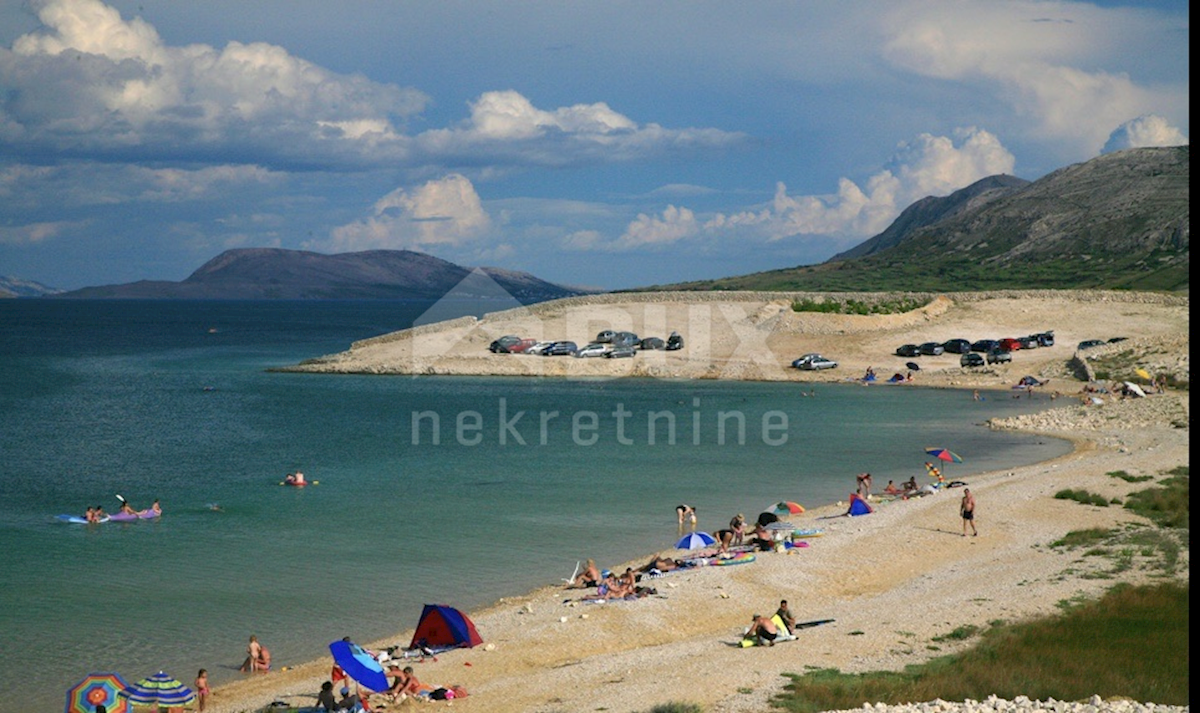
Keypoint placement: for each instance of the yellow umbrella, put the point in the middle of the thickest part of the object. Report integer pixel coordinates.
(1142, 373)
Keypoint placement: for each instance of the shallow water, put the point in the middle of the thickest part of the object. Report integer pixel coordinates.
(527, 477)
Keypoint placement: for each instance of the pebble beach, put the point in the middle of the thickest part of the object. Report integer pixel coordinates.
(894, 582)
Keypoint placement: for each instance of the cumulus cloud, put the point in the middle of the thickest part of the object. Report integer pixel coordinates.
(1034, 56)
(34, 233)
(442, 212)
(506, 125)
(91, 83)
(1148, 130)
(927, 165)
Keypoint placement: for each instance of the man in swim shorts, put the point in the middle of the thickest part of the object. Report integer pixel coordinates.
(763, 630)
(967, 510)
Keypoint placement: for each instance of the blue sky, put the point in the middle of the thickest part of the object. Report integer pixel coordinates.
(607, 144)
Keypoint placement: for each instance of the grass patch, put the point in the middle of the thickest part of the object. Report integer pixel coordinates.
(1129, 478)
(853, 306)
(962, 632)
(1082, 496)
(1133, 642)
(677, 708)
(1167, 505)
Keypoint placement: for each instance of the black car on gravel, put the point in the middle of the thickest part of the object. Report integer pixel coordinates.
(908, 350)
(957, 346)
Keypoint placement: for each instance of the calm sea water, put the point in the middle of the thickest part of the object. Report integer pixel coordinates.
(173, 400)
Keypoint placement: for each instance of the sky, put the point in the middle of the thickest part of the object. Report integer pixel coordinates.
(605, 144)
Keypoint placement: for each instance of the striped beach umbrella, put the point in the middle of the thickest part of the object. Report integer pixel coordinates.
(695, 541)
(97, 689)
(158, 690)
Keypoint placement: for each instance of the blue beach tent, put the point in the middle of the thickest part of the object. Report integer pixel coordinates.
(858, 506)
(444, 626)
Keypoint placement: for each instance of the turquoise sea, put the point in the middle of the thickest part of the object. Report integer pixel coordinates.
(174, 400)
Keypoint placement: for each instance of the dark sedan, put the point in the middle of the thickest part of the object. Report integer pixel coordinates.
(561, 349)
(932, 349)
(957, 346)
(909, 350)
(985, 345)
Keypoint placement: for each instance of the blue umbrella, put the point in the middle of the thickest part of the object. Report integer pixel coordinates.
(695, 541)
(158, 690)
(359, 665)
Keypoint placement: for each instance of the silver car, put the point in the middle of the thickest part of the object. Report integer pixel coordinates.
(814, 362)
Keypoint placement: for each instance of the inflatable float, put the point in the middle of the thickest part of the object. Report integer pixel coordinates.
(80, 520)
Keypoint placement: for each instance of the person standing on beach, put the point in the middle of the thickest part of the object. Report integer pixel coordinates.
(202, 690)
(864, 485)
(967, 510)
(253, 654)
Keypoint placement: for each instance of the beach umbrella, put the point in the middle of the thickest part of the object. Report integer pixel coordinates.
(785, 507)
(1143, 373)
(944, 454)
(158, 690)
(359, 665)
(97, 689)
(694, 541)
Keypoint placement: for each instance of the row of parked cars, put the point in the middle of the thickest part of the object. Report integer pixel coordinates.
(978, 353)
(608, 344)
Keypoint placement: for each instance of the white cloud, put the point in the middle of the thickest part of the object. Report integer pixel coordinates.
(95, 84)
(506, 127)
(1149, 130)
(1042, 58)
(928, 165)
(35, 233)
(674, 225)
(446, 211)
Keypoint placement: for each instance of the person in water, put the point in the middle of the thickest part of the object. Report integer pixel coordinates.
(90, 515)
(156, 507)
(127, 508)
(296, 478)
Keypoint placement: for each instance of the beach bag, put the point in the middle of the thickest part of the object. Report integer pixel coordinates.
(441, 694)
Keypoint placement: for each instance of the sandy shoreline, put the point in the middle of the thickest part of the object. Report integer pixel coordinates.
(893, 581)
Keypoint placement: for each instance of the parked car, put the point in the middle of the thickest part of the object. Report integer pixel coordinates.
(957, 346)
(814, 362)
(652, 343)
(984, 346)
(999, 356)
(972, 359)
(538, 348)
(1029, 342)
(932, 349)
(522, 346)
(1089, 343)
(605, 337)
(620, 353)
(625, 339)
(1010, 344)
(561, 349)
(592, 350)
(674, 342)
(1045, 339)
(501, 345)
(908, 350)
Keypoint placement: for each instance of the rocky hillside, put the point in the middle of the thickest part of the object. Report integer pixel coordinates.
(1119, 221)
(271, 273)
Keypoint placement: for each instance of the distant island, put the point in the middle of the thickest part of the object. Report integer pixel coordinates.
(276, 273)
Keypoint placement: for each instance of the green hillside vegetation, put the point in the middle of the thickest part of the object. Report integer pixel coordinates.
(1120, 221)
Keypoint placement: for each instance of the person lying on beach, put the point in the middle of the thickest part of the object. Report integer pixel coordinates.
(662, 564)
(891, 489)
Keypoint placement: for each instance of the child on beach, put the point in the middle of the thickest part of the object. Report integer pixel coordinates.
(202, 689)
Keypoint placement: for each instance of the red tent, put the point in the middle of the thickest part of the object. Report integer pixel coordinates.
(443, 626)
